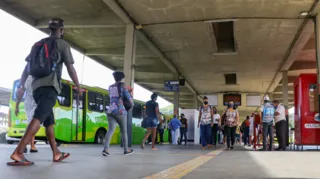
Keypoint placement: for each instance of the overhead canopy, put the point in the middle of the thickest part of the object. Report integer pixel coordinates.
(217, 46)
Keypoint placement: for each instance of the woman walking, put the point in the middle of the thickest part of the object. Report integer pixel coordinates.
(231, 122)
(117, 113)
(205, 122)
(152, 119)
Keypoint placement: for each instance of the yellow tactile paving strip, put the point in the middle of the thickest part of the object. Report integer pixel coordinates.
(183, 169)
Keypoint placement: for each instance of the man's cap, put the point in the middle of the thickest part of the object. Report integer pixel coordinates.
(56, 23)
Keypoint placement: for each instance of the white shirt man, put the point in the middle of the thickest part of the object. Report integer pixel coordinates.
(281, 124)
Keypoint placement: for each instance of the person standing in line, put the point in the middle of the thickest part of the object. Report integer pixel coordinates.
(29, 106)
(117, 113)
(215, 127)
(251, 130)
(153, 117)
(205, 121)
(267, 116)
(183, 129)
(162, 127)
(281, 123)
(46, 88)
(231, 121)
(246, 131)
(175, 125)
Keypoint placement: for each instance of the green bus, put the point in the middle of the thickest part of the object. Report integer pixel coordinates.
(77, 119)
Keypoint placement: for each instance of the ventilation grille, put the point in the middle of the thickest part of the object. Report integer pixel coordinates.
(231, 79)
(223, 31)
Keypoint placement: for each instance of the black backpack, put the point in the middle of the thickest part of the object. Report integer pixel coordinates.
(43, 58)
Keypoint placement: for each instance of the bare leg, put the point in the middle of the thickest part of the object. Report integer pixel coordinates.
(32, 145)
(31, 131)
(52, 141)
(145, 137)
(154, 134)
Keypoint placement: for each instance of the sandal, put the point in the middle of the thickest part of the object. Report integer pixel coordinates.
(154, 149)
(62, 157)
(23, 162)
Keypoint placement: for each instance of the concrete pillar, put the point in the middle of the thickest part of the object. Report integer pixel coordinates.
(176, 99)
(129, 61)
(285, 101)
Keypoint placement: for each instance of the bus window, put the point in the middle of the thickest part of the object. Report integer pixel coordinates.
(95, 101)
(313, 101)
(64, 97)
(14, 91)
(137, 111)
(107, 101)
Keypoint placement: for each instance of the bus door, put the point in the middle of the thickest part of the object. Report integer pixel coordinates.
(78, 116)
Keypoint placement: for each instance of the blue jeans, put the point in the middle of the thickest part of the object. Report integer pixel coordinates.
(205, 130)
(246, 136)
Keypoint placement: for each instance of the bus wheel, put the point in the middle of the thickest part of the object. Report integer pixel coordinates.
(100, 135)
(10, 141)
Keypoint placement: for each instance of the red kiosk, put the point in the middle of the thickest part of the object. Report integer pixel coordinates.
(306, 113)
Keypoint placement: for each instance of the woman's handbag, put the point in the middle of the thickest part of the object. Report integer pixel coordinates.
(144, 123)
(127, 104)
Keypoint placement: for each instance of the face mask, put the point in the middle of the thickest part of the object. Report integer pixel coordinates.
(231, 105)
(206, 102)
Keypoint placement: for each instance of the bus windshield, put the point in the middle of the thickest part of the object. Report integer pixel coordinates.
(14, 91)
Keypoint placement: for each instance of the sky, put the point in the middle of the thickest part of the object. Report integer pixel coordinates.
(16, 40)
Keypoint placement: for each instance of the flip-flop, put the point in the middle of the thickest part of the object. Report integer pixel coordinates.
(23, 162)
(62, 157)
(33, 151)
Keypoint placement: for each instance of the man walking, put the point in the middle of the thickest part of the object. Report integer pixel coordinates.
(183, 129)
(45, 66)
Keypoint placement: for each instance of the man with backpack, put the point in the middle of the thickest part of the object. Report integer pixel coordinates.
(267, 116)
(45, 66)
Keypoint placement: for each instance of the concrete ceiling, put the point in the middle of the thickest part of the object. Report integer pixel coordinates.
(269, 36)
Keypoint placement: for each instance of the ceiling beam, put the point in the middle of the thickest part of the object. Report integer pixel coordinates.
(311, 44)
(301, 65)
(291, 79)
(107, 20)
(279, 89)
(302, 36)
(148, 69)
(280, 96)
(119, 11)
(114, 52)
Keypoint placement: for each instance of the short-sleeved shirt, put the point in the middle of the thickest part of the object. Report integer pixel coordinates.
(65, 57)
(282, 113)
(184, 122)
(231, 117)
(151, 109)
(216, 118)
(116, 103)
(205, 115)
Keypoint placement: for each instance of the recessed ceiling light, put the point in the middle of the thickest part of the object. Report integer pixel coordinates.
(304, 13)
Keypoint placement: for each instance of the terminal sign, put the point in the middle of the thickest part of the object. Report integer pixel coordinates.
(171, 85)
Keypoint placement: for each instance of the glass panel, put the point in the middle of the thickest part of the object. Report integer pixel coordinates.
(313, 99)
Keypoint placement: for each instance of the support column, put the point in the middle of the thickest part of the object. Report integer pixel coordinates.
(285, 102)
(129, 62)
(176, 99)
(317, 34)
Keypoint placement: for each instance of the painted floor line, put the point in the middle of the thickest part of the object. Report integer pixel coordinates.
(183, 169)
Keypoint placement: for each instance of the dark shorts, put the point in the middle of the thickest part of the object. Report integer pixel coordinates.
(45, 97)
(151, 122)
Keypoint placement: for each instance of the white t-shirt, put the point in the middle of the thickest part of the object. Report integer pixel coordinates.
(216, 118)
(282, 115)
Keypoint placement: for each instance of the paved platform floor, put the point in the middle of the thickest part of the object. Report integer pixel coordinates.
(86, 162)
